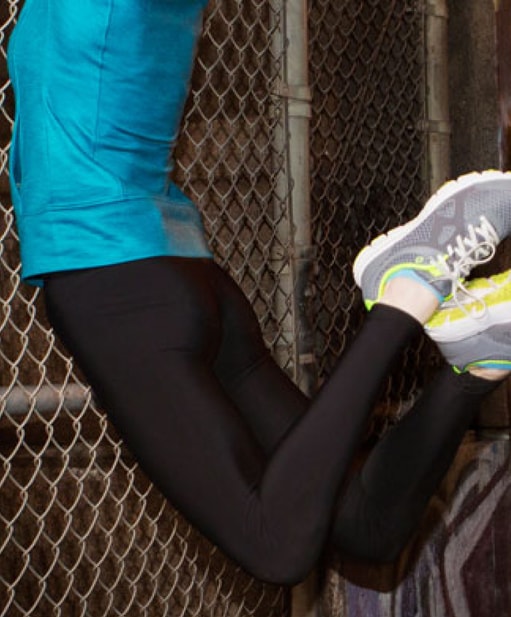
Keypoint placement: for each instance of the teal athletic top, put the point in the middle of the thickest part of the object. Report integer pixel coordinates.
(100, 87)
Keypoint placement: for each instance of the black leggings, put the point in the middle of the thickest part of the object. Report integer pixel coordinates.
(173, 351)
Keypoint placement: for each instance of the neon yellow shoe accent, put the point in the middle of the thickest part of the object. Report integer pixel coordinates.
(473, 329)
(476, 297)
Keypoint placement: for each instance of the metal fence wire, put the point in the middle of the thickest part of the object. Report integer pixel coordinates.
(83, 530)
(368, 154)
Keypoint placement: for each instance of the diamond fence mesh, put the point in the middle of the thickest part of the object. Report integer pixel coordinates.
(83, 530)
(368, 154)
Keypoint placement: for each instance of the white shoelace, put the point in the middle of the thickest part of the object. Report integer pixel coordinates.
(476, 248)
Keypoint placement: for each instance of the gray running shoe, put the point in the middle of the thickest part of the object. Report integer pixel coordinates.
(459, 228)
(474, 327)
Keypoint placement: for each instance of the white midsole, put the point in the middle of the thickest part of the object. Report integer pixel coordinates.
(452, 331)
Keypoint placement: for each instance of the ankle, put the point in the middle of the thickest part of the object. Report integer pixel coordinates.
(490, 374)
(412, 297)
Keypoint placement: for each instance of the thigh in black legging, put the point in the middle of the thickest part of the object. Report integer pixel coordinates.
(266, 397)
(147, 335)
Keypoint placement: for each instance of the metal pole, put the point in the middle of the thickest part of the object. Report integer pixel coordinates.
(285, 349)
(438, 127)
(503, 21)
(298, 95)
(47, 399)
(294, 257)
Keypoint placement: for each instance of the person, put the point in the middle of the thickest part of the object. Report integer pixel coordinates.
(170, 344)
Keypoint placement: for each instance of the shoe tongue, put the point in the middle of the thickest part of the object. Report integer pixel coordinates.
(443, 288)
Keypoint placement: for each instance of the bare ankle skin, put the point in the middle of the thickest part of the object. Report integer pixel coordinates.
(411, 297)
(491, 374)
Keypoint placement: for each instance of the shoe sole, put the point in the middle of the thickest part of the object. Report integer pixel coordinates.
(470, 326)
(383, 242)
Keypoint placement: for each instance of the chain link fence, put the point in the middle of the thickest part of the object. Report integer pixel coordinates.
(368, 155)
(83, 530)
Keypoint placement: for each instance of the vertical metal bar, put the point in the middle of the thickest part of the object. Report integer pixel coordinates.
(503, 21)
(295, 268)
(285, 349)
(303, 254)
(437, 93)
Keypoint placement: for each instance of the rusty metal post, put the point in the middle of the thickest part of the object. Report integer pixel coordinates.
(294, 255)
(503, 27)
(437, 94)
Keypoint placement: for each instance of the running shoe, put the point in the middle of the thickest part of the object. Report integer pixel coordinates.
(473, 328)
(459, 228)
